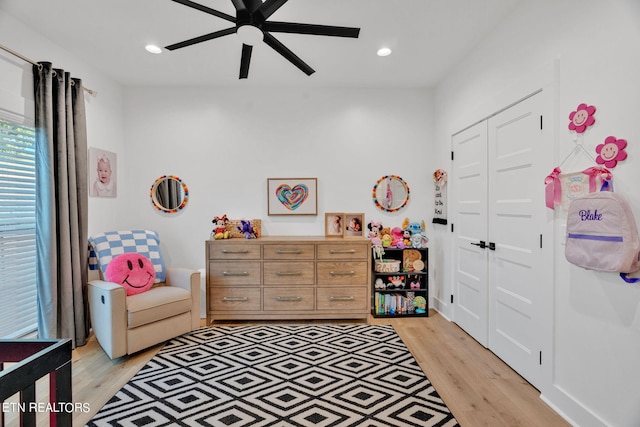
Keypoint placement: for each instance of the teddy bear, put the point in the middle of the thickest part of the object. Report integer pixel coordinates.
(220, 231)
(385, 236)
(379, 284)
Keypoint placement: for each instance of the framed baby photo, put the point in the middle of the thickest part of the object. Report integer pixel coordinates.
(103, 166)
(292, 196)
(353, 225)
(333, 224)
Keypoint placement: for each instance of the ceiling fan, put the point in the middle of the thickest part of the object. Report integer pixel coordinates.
(252, 26)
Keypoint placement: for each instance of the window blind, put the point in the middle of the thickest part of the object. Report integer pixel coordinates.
(18, 296)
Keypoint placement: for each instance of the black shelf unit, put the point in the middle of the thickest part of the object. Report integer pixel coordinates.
(402, 288)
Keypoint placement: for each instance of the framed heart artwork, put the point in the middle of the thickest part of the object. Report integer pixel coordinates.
(292, 196)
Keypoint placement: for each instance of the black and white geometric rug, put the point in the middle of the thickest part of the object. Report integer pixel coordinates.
(320, 375)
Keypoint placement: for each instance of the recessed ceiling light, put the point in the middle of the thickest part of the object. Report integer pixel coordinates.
(384, 51)
(153, 49)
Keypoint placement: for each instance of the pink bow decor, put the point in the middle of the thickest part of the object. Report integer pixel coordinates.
(593, 172)
(552, 188)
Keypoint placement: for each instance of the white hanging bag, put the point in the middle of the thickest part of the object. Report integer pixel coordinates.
(602, 234)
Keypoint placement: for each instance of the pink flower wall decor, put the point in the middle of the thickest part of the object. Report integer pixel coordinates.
(582, 118)
(611, 152)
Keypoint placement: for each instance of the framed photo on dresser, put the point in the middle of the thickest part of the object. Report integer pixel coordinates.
(353, 225)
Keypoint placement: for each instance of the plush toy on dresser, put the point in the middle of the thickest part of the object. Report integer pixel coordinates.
(220, 230)
(247, 230)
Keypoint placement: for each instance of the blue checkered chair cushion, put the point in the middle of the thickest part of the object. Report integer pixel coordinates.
(106, 246)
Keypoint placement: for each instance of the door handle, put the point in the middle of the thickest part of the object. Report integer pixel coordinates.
(482, 244)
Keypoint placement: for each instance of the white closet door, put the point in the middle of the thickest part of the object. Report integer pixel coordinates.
(470, 228)
(519, 152)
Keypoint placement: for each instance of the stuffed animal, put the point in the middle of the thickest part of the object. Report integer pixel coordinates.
(418, 238)
(420, 304)
(377, 248)
(396, 282)
(220, 231)
(396, 237)
(385, 236)
(133, 271)
(374, 229)
(379, 284)
(414, 284)
(406, 237)
(247, 230)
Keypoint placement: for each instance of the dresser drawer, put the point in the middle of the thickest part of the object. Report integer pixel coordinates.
(232, 299)
(343, 251)
(292, 298)
(224, 273)
(343, 273)
(240, 251)
(342, 298)
(302, 251)
(289, 273)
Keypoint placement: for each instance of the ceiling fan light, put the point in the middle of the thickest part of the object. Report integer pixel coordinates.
(384, 51)
(153, 49)
(249, 34)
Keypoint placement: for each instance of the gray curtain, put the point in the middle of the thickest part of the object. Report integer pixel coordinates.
(61, 205)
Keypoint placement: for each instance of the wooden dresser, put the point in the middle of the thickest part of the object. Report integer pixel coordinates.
(287, 278)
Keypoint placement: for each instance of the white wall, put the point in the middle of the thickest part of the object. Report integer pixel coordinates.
(593, 374)
(225, 143)
(105, 121)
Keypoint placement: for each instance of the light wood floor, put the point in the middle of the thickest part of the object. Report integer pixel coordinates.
(477, 386)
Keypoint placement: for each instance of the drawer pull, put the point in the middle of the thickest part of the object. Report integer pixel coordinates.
(342, 251)
(231, 273)
(288, 251)
(288, 273)
(288, 298)
(231, 299)
(348, 298)
(342, 273)
(240, 251)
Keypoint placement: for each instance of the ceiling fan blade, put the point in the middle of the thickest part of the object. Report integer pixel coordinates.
(269, 7)
(201, 39)
(245, 61)
(242, 12)
(206, 9)
(239, 5)
(290, 56)
(319, 30)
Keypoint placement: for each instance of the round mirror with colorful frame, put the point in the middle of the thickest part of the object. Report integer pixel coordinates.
(169, 194)
(391, 193)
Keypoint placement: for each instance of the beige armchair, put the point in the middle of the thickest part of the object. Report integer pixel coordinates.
(127, 324)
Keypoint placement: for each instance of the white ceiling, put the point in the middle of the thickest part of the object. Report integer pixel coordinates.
(428, 38)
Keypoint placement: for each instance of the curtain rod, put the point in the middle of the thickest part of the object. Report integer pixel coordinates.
(24, 58)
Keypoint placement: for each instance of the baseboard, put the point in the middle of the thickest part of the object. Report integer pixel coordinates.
(572, 410)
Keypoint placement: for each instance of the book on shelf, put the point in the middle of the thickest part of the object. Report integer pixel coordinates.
(394, 303)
